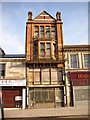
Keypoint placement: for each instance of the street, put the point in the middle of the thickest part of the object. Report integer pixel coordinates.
(52, 118)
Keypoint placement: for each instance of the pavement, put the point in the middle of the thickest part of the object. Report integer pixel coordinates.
(47, 112)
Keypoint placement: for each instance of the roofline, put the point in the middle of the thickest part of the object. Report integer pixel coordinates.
(2, 51)
(14, 56)
(41, 13)
(77, 45)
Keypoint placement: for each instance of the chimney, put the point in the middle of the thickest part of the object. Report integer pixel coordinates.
(58, 15)
(29, 15)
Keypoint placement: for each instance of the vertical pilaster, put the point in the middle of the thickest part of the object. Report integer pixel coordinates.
(32, 43)
(59, 37)
(52, 52)
(80, 60)
(28, 36)
(38, 49)
(67, 90)
(23, 98)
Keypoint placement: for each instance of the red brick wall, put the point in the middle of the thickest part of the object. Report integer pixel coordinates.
(80, 78)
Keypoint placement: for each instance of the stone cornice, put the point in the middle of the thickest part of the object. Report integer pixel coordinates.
(74, 48)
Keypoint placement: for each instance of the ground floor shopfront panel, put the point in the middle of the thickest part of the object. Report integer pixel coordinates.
(12, 97)
(79, 88)
(45, 97)
(13, 93)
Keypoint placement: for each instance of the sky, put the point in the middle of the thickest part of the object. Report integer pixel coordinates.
(15, 14)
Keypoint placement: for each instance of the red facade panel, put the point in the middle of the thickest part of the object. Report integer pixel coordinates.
(80, 78)
(8, 97)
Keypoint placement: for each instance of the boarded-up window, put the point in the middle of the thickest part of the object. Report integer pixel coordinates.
(36, 76)
(59, 95)
(81, 95)
(30, 79)
(54, 76)
(45, 76)
(60, 76)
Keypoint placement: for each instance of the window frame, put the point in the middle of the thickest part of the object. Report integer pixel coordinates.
(74, 61)
(45, 56)
(49, 48)
(35, 54)
(87, 61)
(41, 31)
(36, 31)
(53, 31)
(47, 31)
(42, 49)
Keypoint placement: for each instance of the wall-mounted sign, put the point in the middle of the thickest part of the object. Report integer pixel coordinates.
(18, 98)
(12, 82)
(79, 75)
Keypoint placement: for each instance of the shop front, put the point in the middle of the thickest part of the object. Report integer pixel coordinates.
(79, 87)
(13, 93)
(48, 97)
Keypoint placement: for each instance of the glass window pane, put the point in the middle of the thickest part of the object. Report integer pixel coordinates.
(37, 96)
(52, 28)
(87, 60)
(74, 61)
(35, 50)
(42, 49)
(41, 31)
(36, 31)
(47, 28)
(44, 95)
(47, 31)
(48, 49)
(53, 31)
(53, 34)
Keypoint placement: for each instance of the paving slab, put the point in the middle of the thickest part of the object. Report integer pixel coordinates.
(49, 112)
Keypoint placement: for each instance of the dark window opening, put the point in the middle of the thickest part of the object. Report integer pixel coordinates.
(2, 70)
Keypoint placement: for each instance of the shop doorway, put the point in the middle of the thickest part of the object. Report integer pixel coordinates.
(45, 97)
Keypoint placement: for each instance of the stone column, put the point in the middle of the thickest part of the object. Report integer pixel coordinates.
(67, 90)
(23, 98)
